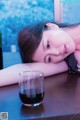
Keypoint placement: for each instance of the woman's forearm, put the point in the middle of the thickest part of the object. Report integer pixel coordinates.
(49, 68)
(10, 75)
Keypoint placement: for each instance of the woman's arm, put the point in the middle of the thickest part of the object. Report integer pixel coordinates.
(49, 68)
(10, 75)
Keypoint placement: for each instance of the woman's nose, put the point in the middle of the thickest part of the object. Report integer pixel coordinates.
(54, 51)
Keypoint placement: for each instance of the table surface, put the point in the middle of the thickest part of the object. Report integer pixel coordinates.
(61, 101)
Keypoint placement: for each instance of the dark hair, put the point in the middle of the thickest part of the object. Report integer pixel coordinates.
(29, 39)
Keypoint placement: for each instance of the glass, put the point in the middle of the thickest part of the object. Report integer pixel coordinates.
(31, 88)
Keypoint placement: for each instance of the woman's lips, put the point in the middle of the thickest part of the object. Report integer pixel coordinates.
(65, 49)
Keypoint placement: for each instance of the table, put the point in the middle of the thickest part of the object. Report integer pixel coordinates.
(61, 101)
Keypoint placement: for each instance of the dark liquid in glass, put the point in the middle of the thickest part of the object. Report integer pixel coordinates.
(31, 96)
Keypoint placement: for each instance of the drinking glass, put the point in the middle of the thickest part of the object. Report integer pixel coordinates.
(31, 87)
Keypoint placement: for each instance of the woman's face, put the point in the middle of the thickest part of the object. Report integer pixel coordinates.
(55, 45)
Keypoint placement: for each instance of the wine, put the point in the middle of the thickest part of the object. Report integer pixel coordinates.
(31, 96)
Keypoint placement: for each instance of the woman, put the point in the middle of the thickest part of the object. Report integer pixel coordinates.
(48, 43)
(46, 47)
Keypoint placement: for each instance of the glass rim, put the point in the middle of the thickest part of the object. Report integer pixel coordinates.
(33, 71)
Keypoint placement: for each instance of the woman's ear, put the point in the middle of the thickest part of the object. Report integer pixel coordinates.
(52, 25)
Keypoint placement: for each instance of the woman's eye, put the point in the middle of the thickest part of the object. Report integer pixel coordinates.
(48, 45)
(49, 59)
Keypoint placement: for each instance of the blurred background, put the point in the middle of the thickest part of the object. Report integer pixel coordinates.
(14, 15)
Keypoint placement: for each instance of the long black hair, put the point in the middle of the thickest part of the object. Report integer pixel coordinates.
(29, 39)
